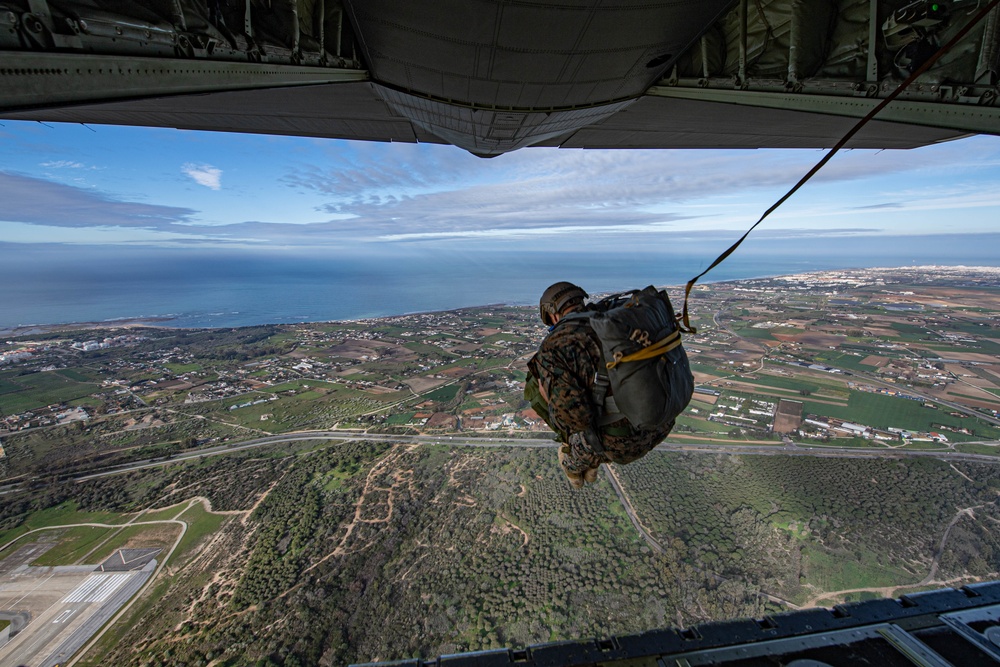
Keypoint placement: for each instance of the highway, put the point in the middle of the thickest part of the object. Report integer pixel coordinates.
(786, 449)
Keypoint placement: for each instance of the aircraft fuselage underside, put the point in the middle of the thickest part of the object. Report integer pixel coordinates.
(493, 76)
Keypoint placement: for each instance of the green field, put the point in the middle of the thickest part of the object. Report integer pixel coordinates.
(763, 334)
(443, 394)
(8, 387)
(400, 419)
(73, 545)
(183, 368)
(425, 348)
(863, 568)
(40, 390)
(80, 374)
(851, 362)
(884, 411)
(911, 333)
(59, 515)
(783, 383)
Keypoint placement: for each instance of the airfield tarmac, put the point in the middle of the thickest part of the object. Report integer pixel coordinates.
(64, 606)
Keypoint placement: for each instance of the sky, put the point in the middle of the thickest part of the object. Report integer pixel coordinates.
(94, 187)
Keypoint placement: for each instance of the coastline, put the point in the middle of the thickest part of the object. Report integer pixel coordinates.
(675, 289)
(124, 323)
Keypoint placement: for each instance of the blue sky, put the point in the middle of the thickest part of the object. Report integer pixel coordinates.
(100, 186)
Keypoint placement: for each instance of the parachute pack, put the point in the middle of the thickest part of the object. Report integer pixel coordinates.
(645, 366)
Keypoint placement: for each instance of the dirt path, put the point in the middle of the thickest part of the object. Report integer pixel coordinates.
(892, 591)
(930, 579)
(655, 546)
(630, 510)
(376, 469)
(936, 561)
(962, 473)
(516, 527)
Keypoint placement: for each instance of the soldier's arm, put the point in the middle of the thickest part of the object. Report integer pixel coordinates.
(568, 373)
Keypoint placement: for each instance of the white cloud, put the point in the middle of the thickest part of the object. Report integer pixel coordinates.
(63, 164)
(204, 174)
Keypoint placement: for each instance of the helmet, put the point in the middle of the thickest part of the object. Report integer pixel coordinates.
(556, 298)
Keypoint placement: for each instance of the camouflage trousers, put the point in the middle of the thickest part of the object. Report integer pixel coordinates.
(618, 448)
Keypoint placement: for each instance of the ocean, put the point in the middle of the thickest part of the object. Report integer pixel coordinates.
(45, 285)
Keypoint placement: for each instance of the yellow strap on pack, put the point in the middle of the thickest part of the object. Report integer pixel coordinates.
(649, 352)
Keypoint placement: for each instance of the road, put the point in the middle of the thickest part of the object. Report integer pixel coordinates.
(786, 449)
(630, 511)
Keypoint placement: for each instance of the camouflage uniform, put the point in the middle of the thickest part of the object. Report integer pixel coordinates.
(566, 365)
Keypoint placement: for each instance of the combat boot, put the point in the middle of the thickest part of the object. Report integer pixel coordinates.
(575, 478)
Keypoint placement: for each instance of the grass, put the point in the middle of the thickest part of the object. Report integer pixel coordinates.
(161, 514)
(502, 336)
(399, 419)
(830, 572)
(8, 387)
(41, 389)
(122, 538)
(700, 425)
(910, 332)
(764, 334)
(783, 383)
(334, 479)
(86, 402)
(884, 411)
(443, 394)
(183, 368)
(296, 385)
(850, 362)
(59, 515)
(79, 374)
(200, 524)
(966, 448)
(73, 545)
(425, 348)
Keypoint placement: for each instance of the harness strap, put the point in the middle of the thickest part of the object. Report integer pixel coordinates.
(649, 352)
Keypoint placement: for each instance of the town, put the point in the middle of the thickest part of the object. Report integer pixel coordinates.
(870, 357)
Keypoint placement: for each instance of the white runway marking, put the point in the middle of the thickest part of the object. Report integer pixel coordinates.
(97, 587)
(64, 616)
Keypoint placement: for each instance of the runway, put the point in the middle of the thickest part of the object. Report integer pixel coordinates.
(66, 606)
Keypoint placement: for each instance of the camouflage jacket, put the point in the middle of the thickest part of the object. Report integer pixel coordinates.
(566, 365)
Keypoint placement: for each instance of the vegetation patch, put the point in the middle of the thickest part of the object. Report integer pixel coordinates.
(73, 545)
(42, 389)
(443, 394)
(60, 515)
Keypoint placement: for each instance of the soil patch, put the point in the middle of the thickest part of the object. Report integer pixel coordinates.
(358, 349)
(812, 339)
(421, 384)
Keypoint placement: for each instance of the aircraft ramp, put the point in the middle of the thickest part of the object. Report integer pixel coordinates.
(942, 628)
